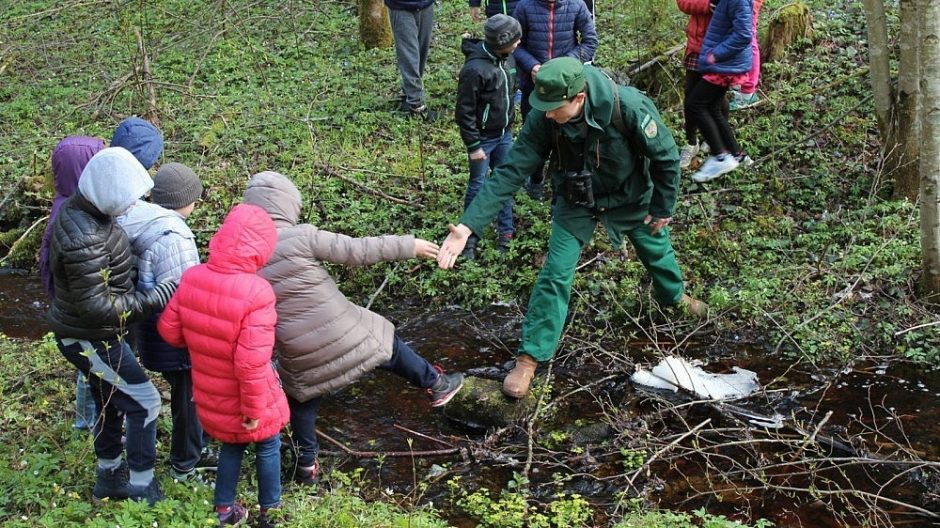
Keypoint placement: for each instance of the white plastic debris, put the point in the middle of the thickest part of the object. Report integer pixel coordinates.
(674, 373)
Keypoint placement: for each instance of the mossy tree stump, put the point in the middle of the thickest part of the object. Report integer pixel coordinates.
(789, 24)
(374, 28)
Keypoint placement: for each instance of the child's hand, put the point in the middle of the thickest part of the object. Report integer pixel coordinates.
(478, 155)
(425, 249)
(710, 58)
(535, 70)
(249, 424)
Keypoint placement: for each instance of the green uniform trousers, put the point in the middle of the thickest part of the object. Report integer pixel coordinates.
(548, 304)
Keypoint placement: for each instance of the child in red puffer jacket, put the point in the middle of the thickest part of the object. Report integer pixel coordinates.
(223, 312)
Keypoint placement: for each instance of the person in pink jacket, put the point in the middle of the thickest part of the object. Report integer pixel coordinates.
(746, 95)
(223, 312)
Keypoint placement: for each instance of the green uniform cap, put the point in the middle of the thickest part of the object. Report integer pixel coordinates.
(557, 81)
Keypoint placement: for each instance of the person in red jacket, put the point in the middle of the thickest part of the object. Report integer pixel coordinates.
(223, 312)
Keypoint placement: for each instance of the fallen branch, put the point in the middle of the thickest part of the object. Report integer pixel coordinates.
(655, 60)
(386, 454)
(330, 171)
(20, 239)
(422, 435)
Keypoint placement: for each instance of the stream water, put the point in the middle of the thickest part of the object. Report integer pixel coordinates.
(872, 410)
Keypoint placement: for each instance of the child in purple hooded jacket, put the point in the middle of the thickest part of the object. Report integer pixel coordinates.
(68, 160)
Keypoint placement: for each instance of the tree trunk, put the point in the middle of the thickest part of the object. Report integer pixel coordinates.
(878, 55)
(905, 158)
(930, 149)
(792, 22)
(374, 28)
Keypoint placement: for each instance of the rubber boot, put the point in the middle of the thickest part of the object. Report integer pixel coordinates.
(516, 384)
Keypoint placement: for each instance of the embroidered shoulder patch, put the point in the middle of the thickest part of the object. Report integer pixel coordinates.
(650, 129)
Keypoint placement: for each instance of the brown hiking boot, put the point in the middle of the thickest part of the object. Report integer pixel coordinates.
(516, 384)
(694, 306)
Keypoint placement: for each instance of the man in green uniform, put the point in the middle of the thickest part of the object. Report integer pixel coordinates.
(620, 170)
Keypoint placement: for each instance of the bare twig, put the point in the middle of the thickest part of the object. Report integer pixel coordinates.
(387, 454)
(146, 80)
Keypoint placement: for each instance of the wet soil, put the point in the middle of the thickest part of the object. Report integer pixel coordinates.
(875, 409)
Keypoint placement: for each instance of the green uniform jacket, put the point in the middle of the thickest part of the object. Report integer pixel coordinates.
(624, 191)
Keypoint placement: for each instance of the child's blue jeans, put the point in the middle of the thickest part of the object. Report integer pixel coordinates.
(267, 465)
(497, 150)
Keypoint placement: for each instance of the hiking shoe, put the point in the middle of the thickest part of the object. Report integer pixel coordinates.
(111, 483)
(233, 515)
(150, 493)
(693, 306)
(423, 112)
(208, 459)
(307, 476)
(714, 167)
(744, 160)
(686, 155)
(740, 101)
(502, 244)
(703, 148)
(445, 388)
(516, 384)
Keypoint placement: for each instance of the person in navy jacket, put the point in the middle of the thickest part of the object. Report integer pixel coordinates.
(550, 29)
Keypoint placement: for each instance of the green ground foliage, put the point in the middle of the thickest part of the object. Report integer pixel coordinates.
(805, 249)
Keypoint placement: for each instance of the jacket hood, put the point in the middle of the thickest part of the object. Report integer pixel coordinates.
(244, 242)
(113, 180)
(69, 159)
(145, 221)
(141, 138)
(599, 110)
(474, 48)
(277, 195)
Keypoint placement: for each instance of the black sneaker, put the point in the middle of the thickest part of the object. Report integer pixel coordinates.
(502, 244)
(307, 476)
(111, 483)
(150, 493)
(423, 112)
(469, 251)
(208, 459)
(445, 388)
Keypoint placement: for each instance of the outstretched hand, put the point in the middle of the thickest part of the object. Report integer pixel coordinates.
(425, 249)
(656, 223)
(453, 245)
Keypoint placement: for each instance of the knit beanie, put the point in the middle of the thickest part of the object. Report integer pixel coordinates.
(141, 138)
(175, 186)
(501, 31)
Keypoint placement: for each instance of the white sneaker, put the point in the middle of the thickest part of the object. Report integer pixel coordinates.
(714, 167)
(686, 155)
(744, 161)
(704, 148)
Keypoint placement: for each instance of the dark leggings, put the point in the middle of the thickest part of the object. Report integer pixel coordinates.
(692, 78)
(703, 107)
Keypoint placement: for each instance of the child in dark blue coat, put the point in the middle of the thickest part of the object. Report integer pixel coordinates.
(724, 61)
